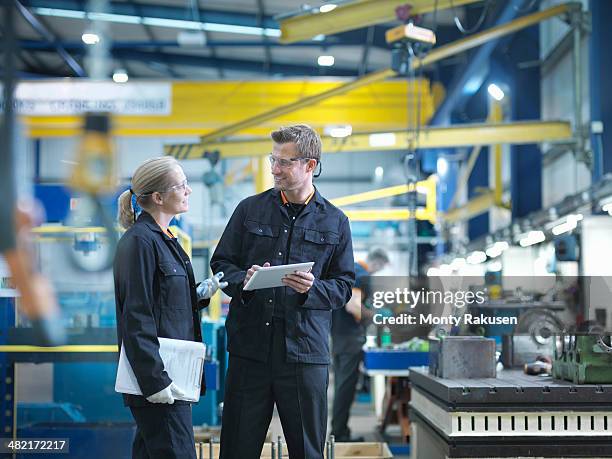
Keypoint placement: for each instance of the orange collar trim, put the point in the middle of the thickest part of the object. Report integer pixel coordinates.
(285, 200)
(364, 265)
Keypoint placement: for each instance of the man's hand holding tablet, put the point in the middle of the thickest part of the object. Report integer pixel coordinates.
(297, 276)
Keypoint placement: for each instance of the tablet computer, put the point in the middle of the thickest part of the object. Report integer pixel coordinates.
(272, 276)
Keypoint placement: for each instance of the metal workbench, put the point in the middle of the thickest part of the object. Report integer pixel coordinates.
(509, 416)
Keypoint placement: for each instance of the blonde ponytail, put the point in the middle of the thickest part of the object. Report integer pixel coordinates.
(125, 209)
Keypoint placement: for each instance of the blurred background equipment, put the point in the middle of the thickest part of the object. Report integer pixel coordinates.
(583, 359)
(454, 357)
(468, 138)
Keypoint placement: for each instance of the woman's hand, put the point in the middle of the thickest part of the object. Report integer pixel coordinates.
(167, 395)
(210, 286)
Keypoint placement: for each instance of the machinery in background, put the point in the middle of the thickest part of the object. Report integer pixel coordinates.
(583, 359)
(514, 415)
(453, 357)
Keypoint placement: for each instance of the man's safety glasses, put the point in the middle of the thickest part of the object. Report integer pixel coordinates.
(283, 163)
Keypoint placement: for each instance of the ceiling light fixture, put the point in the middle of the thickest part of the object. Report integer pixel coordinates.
(120, 76)
(570, 224)
(495, 91)
(90, 38)
(477, 257)
(533, 237)
(327, 7)
(497, 249)
(383, 139)
(326, 61)
(338, 132)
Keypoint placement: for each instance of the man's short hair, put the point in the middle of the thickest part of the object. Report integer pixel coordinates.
(378, 254)
(306, 139)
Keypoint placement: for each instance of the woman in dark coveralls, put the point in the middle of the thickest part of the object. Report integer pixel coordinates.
(156, 296)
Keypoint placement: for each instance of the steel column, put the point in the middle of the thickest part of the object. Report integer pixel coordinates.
(526, 160)
(477, 183)
(600, 72)
(496, 116)
(263, 176)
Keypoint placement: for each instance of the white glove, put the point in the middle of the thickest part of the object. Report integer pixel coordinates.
(166, 395)
(210, 286)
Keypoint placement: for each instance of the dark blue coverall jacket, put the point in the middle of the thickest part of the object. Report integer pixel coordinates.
(155, 296)
(262, 230)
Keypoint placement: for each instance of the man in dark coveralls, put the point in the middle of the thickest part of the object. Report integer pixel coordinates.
(278, 338)
(348, 337)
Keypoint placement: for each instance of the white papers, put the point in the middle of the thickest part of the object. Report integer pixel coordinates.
(183, 361)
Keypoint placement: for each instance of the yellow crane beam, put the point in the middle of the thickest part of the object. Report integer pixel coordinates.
(435, 55)
(297, 105)
(477, 39)
(372, 195)
(74, 348)
(198, 108)
(519, 132)
(379, 215)
(475, 206)
(355, 15)
(428, 187)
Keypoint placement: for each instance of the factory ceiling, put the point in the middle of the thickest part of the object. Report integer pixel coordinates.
(194, 40)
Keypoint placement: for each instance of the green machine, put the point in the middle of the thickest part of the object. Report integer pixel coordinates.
(583, 359)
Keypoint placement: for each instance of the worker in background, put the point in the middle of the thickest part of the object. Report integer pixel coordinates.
(156, 296)
(278, 337)
(348, 337)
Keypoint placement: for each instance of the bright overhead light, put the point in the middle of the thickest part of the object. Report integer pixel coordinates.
(120, 76)
(563, 228)
(477, 257)
(533, 237)
(326, 61)
(497, 249)
(90, 38)
(378, 173)
(338, 131)
(442, 166)
(445, 270)
(383, 139)
(159, 22)
(570, 224)
(457, 263)
(327, 7)
(495, 91)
